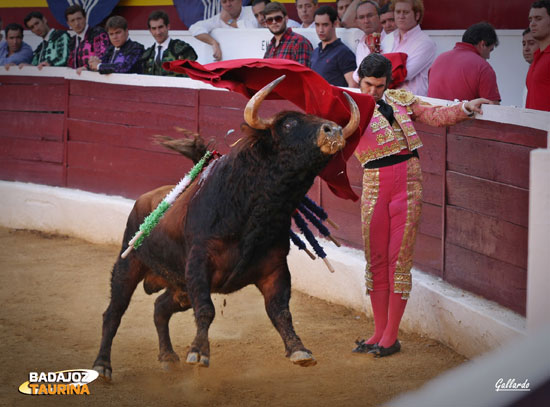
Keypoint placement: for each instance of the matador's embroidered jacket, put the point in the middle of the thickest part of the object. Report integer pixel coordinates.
(96, 42)
(177, 49)
(55, 50)
(381, 139)
(126, 60)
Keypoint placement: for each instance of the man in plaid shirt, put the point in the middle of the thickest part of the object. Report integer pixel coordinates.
(285, 44)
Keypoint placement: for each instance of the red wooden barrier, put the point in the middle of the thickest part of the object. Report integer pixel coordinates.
(97, 137)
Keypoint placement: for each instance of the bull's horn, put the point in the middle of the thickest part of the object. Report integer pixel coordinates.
(251, 110)
(354, 118)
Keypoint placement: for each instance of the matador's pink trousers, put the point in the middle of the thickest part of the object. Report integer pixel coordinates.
(391, 204)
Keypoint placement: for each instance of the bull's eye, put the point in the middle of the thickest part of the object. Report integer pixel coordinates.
(326, 128)
(289, 124)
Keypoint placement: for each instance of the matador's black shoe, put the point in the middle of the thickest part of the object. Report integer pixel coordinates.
(380, 351)
(363, 347)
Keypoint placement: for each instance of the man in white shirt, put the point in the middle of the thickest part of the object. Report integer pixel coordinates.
(233, 15)
(367, 19)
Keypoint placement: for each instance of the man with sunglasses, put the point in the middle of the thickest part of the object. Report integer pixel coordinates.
(285, 44)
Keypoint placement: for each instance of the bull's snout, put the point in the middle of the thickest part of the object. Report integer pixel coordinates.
(330, 138)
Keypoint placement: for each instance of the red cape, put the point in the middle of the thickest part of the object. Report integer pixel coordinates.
(303, 87)
(399, 68)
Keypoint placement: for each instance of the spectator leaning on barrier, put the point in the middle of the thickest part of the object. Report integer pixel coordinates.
(14, 51)
(87, 42)
(285, 44)
(54, 48)
(233, 15)
(123, 55)
(332, 59)
(411, 40)
(538, 76)
(463, 73)
(164, 49)
(306, 10)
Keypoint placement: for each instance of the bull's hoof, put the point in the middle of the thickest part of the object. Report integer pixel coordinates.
(104, 372)
(205, 361)
(303, 358)
(193, 358)
(169, 361)
(168, 357)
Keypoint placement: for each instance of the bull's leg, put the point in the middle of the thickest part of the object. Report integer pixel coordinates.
(125, 277)
(275, 288)
(198, 289)
(165, 306)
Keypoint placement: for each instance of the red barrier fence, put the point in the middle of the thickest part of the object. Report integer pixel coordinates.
(97, 137)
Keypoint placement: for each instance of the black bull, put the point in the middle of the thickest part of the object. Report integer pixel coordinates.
(229, 229)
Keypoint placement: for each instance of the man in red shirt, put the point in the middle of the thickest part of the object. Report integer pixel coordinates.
(464, 73)
(285, 44)
(538, 77)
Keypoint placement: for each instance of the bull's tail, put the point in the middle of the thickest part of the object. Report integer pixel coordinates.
(192, 146)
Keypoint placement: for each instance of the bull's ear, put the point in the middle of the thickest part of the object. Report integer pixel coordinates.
(251, 110)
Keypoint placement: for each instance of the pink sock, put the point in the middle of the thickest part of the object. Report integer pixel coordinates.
(395, 312)
(379, 301)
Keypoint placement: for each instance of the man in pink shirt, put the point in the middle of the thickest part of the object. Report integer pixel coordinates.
(464, 73)
(411, 40)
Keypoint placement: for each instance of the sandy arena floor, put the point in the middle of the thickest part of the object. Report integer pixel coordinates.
(56, 288)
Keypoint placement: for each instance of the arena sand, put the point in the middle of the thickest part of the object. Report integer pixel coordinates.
(54, 290)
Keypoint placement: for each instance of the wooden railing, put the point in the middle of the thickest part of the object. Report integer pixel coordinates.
(96, 136)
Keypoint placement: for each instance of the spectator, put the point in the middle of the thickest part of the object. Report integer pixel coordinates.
(1, 35)
(411, 40)
(341, 7)
(463, 73)
(123, 55)
(333, 60)
(350, 18)
(306, 10)
(14, 51)
(87, 42)
(285, 43)
(257, 8)
(367, 20)
(165, 48)
(233, 15)
(391, 202)
(387, 19)
(529, 46)
(538, 76)
(54, 49)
